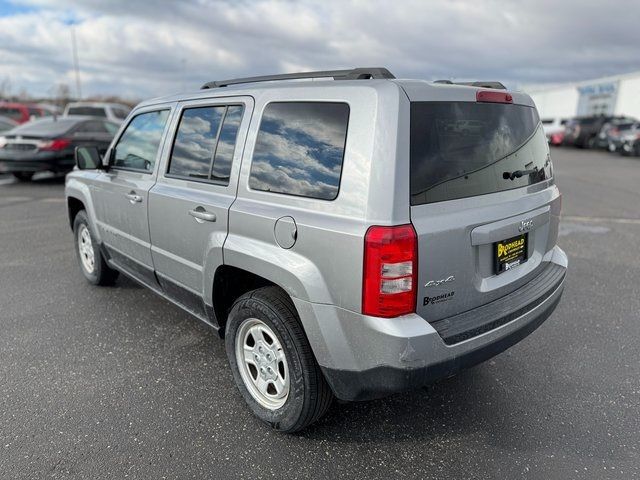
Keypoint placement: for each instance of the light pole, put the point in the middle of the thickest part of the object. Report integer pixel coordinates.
(76, 63)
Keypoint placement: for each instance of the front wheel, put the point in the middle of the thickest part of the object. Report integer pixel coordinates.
(92, 263)
(272, 362)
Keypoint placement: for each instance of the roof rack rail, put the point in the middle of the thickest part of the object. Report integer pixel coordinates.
(353, 74)
(497, 85)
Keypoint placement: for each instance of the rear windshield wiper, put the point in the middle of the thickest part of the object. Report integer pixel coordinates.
(521, 173)
(518, 173)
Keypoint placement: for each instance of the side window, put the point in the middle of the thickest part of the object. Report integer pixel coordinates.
(205, 142)
(300, 148)
(138, 146)
(227, 144)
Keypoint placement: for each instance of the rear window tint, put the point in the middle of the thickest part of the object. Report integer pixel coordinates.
(300, 148)
(463, 149)
(46, 127)
(91, 111)
(94, 126)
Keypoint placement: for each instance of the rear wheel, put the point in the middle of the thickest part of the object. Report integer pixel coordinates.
(23, 176)
(93, 265)
(272, 362)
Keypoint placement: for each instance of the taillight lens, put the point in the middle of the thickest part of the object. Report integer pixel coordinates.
(55, 145)
(390, 271)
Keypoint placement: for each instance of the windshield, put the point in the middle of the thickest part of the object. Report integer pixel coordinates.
(463, 149)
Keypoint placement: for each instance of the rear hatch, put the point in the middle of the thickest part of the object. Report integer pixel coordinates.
(483, 202)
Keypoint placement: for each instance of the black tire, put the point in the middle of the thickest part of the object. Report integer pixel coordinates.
(309, 395)
(102, 274)
(23, 176)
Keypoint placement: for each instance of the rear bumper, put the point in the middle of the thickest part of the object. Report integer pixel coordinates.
(366, 357)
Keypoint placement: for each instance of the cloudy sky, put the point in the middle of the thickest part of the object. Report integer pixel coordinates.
(138, 49)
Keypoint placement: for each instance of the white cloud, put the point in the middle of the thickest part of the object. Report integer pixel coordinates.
(143, 49)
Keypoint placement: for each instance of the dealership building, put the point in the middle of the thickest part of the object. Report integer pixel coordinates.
(618, 95)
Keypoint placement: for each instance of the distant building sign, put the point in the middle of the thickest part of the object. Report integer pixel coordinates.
(597, 99)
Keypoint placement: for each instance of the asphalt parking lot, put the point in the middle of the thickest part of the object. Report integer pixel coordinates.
(116, 382)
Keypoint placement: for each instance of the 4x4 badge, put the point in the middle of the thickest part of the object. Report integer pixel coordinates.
(435, 283)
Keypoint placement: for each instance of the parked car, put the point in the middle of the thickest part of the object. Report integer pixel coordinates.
(554, 130)
(48, 144)
(612, 130)
(231, 201)
(20, 112)
(631, 144)
(7, 123)
(617, 136)
(583, 132)
(113, 111)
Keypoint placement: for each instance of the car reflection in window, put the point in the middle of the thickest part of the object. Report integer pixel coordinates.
(299, 149)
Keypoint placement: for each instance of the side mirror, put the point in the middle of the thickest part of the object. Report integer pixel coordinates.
(88, 158)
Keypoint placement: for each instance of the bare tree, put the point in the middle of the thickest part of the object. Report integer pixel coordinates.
(5, 88)
(62, 94)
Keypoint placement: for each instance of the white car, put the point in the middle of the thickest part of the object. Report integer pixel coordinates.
(553, 127)
(112, 111)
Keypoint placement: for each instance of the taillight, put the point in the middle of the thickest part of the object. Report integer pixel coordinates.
(493, 97)
(390, 271)
(55, 145)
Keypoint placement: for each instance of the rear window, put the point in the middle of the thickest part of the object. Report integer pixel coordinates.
(91, 111)
(46, 127)
(299, 149)
(464, 149)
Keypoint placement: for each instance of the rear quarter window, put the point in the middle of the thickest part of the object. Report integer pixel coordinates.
(300, 148)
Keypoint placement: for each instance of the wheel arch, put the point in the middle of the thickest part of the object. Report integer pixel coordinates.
(229, 284)
(79, 198)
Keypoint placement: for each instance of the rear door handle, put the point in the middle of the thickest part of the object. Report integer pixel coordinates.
(201, 215)
(133, 197)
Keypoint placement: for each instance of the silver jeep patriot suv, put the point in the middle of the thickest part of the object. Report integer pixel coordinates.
(348, 234)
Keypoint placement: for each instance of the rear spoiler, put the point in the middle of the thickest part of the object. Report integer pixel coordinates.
(496, 85)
